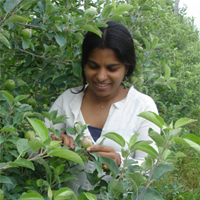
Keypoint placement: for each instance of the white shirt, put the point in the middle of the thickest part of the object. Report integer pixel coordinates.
(122, 118)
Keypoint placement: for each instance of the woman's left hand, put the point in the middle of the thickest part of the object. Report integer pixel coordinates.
(106, 151)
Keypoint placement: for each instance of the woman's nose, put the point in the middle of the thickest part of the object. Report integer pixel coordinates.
(101, 75)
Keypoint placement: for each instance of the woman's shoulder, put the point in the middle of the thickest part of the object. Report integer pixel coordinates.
(140, 97)
(70, 94)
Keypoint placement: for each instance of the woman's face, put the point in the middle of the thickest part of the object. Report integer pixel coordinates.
(104, 72)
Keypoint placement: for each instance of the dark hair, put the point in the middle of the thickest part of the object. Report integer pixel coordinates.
(116, 37)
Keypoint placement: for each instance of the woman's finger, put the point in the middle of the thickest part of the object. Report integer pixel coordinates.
(100, 148)
(107, 154)
(71, 143)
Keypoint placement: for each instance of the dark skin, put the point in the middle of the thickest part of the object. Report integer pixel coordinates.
(104, 74)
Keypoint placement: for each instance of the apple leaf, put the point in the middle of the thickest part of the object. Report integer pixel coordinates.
(116, 137)
(67, 154)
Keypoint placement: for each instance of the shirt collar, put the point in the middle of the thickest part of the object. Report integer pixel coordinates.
(119, 104)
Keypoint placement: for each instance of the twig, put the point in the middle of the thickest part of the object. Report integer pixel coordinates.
(34, 26)
(63, 61)
(150, 175)
(11, 12)
(38, 82)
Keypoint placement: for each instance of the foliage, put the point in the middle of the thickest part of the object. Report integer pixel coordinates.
(129, 180)
(46, 62)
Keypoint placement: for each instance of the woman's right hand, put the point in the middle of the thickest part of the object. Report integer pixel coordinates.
(66, 140)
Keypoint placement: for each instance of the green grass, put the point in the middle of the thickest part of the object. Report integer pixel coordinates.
(184, 181)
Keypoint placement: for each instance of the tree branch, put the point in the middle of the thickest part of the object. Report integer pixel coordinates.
(63, 61)
(34, 26)
(11, 12)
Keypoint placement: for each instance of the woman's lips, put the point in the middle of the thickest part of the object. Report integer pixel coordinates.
(101, 86)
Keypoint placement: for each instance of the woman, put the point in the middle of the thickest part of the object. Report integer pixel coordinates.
(103, 102)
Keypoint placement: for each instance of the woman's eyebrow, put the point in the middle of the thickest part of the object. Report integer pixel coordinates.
(111, 65)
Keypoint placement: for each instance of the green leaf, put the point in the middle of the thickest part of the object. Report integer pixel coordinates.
(79, 36)
(3, 112)
(122, 8)
(48, 115)
(2, 139)
(192, 137)
(5, 179)
(183, 121)
(146, 8)
(27, 3)
(118, 18)
(141, 2)
(147, 44)
(18, 118)
(153, 117)
(116, 137)
(114, 4)
(111, 164)
(67, 154)
(90, 13)
(35, 143)
(9, 5)
(133, 139)
(60, 40)
(167, 71)
(7, 128)
(31, 196)
(81, 21)
(160, 171)
(67, 177)
(137, 178)
(173, 86)
(59, 169)
(116, 187)
(50, 194)
(124, 152)
(77, 69)
(98, 165)
(180, 155)
(49, 7)
(22, 145)
(132, 148)
(7, 96)
(25, 43)
(64, 194)
(21, 162)
(149, 194)
(39, 128)
(16, 18)
(59, 80)
(101, 24)
(20, 97)
(44, 163)
(92, 29)
(106, 11)
(4, 41)
(90, 196)
(188, 143)
(147, 148)
(155, 42)
(156, 137)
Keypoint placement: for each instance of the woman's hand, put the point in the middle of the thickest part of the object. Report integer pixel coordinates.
(106, 151)
(66, 140)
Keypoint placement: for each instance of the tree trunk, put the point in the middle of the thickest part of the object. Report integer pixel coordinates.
(176, 7)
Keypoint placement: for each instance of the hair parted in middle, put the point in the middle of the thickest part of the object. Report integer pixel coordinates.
(116, 37)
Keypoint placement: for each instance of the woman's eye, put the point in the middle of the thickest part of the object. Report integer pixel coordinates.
(92, 67)
(112, 69)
